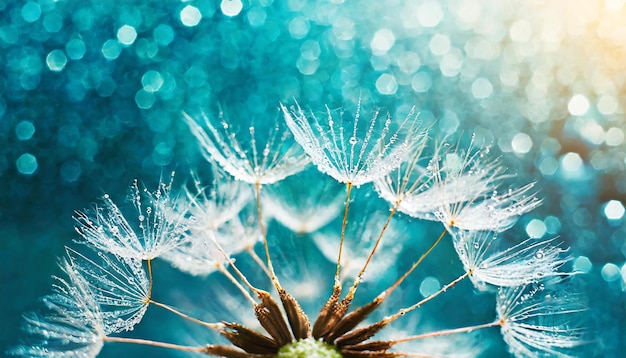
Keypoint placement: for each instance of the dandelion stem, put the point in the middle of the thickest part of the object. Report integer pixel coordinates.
(232, 279)
(215, 326)
(270, 267)
(149, 278)
(357, 280)
(259, 261)
(147, 342)
(343, 231)
(232, 264)
(414, 266)
(446, 332)
(404, 311)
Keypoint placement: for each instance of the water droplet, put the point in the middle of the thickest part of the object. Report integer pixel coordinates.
(353, 140)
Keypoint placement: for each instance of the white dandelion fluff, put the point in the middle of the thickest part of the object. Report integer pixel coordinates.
(160, 224)
(349, 150)
(244, 157)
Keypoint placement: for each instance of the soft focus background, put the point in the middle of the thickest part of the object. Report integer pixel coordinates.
(91, 95)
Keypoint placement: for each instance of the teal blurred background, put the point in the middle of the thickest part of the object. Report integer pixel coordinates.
(91, 95)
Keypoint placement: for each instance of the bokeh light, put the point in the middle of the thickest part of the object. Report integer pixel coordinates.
(92, 93)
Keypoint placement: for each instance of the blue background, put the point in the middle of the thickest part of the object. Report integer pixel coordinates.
(91, 95)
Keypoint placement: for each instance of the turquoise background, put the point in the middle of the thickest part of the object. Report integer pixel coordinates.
(91, 95)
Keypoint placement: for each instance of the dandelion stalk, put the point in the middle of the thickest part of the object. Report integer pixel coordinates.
(415, 264)
(259, 261)
(443, 289)
(343, 231)
(239, 273)
(447, 332)
(232, 279)
(216, 326)
(362, 334)
(149, 263)
(270, 267)
(147, 342)
(357, 280)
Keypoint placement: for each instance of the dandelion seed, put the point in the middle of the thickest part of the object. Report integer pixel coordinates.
(497, 212)
(305, 202)
(408, 188)
(463, 193)
(204, 253)
(541, 319)
(254, 163)
(160, 225)
(527, 262)
(213, 205)
(356, 153)
(73, 325)
(119, 285)
(359, 242)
